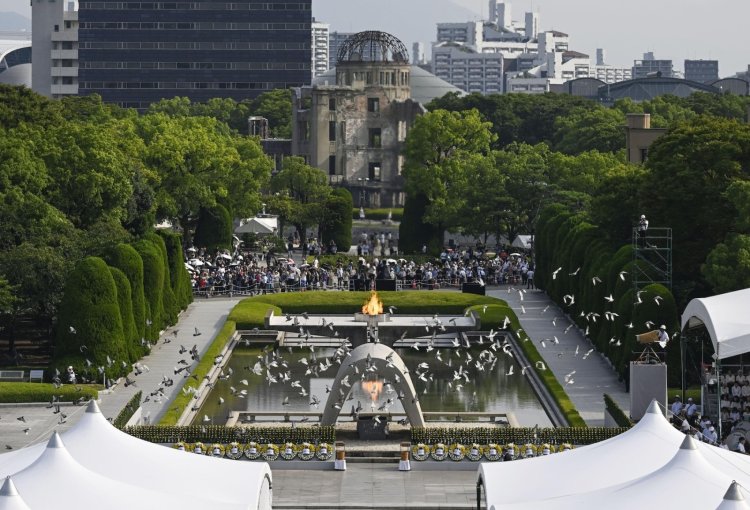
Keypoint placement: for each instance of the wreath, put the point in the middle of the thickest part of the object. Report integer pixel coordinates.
(271, 452)
(565, 447)
(512, 449)
(199, 448)
(529, 450)
(233, 451)
(289, 451)
(475, 452)
(252, 451)
(306, 452)
(493, 452)
(324, 451)
(179, 446)
(457, 452)
(420, 451)
(439, 452)
(546, 449)
(216, 450)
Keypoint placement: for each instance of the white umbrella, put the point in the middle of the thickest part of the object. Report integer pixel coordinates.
(240, 257)
(196, 262)
(189, 267)
(226, 256)
(192, 249)
(390, 261)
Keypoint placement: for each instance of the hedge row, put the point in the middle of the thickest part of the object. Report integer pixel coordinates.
(128, 411)
(337, 222)
(204, 366)
(109, 312)
(574, 260)
(22, 392)
(221, 434)
(616, 412)
(517, 435)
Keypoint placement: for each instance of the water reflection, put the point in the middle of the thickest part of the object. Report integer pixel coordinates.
(454, 384)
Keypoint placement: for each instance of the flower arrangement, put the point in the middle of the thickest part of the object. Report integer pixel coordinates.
(252, 450)
(456, 452)
(512, 449)
(565, 447)
(439, 452)
(271, 452)
(546, 449)
(199, 448)
(324, 451)
(216, 450)
(493, 452)
(529, 450)
(179, 446)
(306, 451)
(420, 451)
(234, 450)
(475, 453)
(288, 452)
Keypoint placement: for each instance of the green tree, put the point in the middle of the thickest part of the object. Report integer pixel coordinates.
(133, 345)
(276, 106)
(413, 231)
(178, 275)
(214, 229)
(337, 220)
(19, 105)
(125, 258)
(586, 129)
(153, 287)
(302, 192)
(727, 266)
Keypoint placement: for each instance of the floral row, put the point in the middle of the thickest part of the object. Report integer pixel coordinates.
(516, 435)
(265, 451)
(476, 452)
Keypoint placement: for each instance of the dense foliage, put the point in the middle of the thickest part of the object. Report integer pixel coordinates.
(336, 226)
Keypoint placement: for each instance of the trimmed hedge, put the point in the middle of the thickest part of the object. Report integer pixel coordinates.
(153, 286)
(178, 275)
(125, 301)
(206, 363)
(413, 232)
(214, 228)
(221, 434)
(516, 435)
(22, 392)
(125, 258)
(91, 308)
(128, 411)
(337, 222)
(616, 412)
(494, 317)
(169, 302)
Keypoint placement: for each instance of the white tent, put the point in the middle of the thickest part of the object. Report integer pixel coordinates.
(9, 497)
(523, 241)
(726, 319)
(640, 452)
(734, 499)
(258, 225)
(98, 446)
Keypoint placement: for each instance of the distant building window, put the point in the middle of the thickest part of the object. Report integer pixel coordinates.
(374, 171)
(373, 104)
(332, 104)
(332, 131)
(644, 154)
(332, 164)
(57, 28)
(375, 138)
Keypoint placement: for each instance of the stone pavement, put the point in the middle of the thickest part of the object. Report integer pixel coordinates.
(374, 486)
(593, 376)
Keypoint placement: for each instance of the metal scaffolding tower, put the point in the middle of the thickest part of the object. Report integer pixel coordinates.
(652, 254)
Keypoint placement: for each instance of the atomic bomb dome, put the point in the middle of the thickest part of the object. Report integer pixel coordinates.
(373, 46)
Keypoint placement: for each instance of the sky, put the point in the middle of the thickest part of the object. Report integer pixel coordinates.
(672, 29)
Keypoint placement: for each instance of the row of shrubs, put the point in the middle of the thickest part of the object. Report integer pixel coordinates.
(516, 435)
(23, 392)
(221, 434)
(114, 306)
(590, 270)
(616, 412)
(128, 411)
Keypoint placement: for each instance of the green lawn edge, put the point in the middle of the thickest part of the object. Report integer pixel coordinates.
(201, 370)
(28, 392)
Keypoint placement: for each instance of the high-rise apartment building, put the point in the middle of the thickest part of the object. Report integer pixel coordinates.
(135, 53)
(335, 41)
(54, 47)
(702, 71)
(320, 56)
(650, 66)
(468, 70)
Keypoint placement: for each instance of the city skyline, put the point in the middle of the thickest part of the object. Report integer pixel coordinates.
(643, 26)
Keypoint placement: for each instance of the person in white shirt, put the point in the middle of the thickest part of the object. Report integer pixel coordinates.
(740, 377)
(736, 390)
(740, 448)
(676, 405)
(663, 336)
(690, 408)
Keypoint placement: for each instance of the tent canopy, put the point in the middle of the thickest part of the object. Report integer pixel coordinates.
(523, 241)
(726, 319)
(258, 225)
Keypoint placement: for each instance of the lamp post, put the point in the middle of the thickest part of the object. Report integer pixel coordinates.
(362, 182)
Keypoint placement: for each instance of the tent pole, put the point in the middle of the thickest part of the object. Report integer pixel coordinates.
(718, 390)
(682, 363)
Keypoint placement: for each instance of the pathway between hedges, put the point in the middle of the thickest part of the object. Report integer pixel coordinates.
(593, 376)
(208, 315)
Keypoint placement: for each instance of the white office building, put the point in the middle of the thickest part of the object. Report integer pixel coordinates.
(54, 48)
(610, 74)
(320, 47)
(468, 70)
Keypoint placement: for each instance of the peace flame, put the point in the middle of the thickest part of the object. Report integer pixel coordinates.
(373, 388)
(374, 306)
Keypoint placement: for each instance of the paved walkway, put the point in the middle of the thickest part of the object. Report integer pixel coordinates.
(593, 376)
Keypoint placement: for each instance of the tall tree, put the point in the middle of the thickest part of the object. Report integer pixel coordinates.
(300, 194)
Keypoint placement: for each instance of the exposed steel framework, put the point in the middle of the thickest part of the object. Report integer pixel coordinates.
(373, 46)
